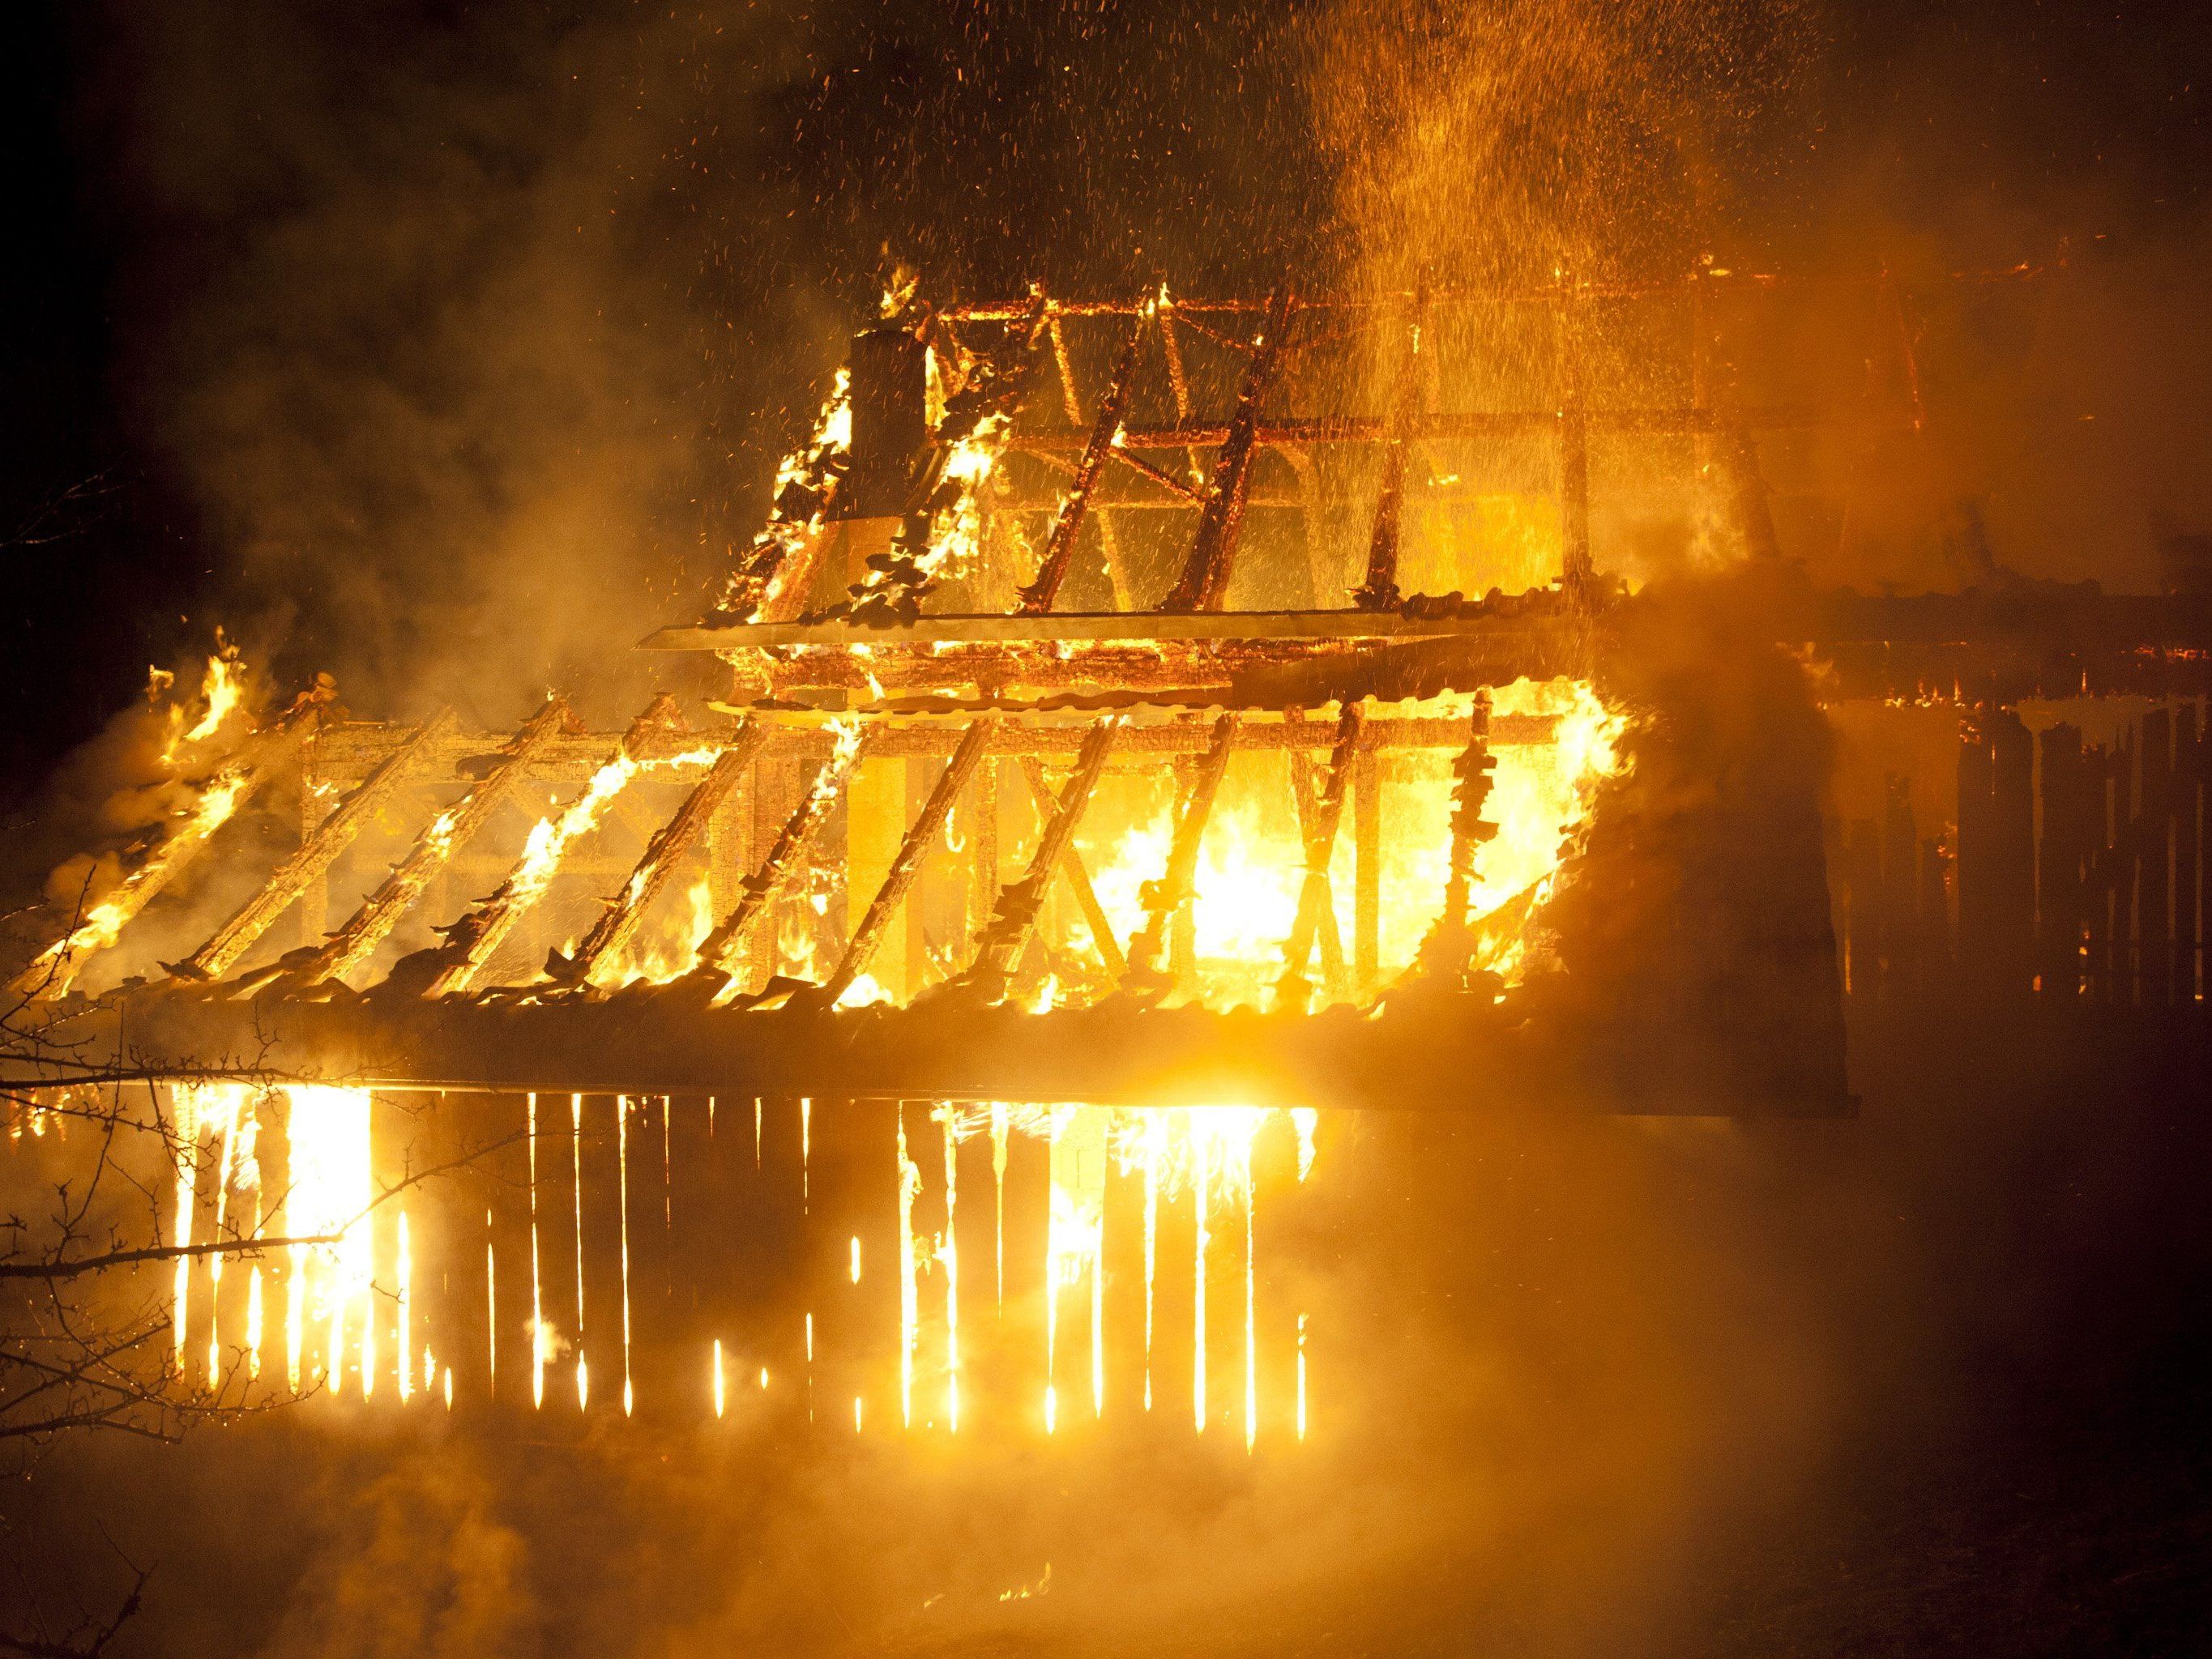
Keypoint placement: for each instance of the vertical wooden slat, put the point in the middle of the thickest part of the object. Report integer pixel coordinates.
(645, 1196)
(272, 1150)
(775, 1293)
(1936, 945)
(984, 1407)
(505, 1135)
(389, 1130)
(1862, 910)
(463, 1239)
(852, 1200)
(1367, 872)
(2012, 846)
(554, 1150)
(1275, 1273)
(2186, 867)
(1224, 1218)
(2059, 863)
(1121, 1238)
(600, 1171)
(2154, 857)
(1900, 894)
(1976, 854)
(925, 1405)
(1028, 1204)
(698, 1256)
(429, 1230)
(2120, 868)
(1173, 1310)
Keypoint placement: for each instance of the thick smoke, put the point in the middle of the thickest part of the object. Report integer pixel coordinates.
(472, 366)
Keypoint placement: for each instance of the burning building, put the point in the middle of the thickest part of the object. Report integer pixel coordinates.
(1144, 728)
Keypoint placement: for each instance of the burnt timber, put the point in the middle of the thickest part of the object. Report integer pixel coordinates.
(1003, 674)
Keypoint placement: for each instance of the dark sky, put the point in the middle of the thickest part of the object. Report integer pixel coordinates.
(989, 140)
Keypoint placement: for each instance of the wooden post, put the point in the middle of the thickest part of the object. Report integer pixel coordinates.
(1275, 1276)
(2013, 848)
(1175, 1258)
(1575, 565)
(322, 838)
(1900, 888)
(1977, 907)
(600, 1270)
(2187, 770)
(652, 1360)
(2154, 857)
(2058, 862)
(1367, 872)
(1027, 1207)
(852, 1230)
(556, 1152)
(1203, 584)
(924, 1401)
(356, 942)
(2120, 873)
(1121, 1242)
(1862, 911)
(699, 1257)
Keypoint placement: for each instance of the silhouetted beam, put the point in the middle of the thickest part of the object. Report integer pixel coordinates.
(1020, 902)
(717, 951)
(1292, 990)
(1078, 877)
(1380, 590)
(337, 832)
(473, 940)
(1205, 577)
(381, 911)
(1146, 976)
(618, 923)
(235, 782)
(921, 834)
(1067, 522)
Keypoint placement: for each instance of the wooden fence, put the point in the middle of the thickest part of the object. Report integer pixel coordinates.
(2072, 869)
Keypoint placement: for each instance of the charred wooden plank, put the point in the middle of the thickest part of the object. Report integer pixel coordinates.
(921, 834)
(719, 952)
(337, 832)
(618, 922)
(1078, 874)
(1292, 990)
(1148, 978)
(235, 781)
(1105, 429)
(1205, 580)
(471, 942)
(1021, 902)
(381, 911)
(1379, 592)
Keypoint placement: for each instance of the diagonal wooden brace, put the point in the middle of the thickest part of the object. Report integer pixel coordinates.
(618, 922)
(1380, 591)
(718, 951)
(1147, 975)
(452, 829)
(924, 833)
(233, 784)
(335, 833)
(471, 942)
(1292, 990)
(1105, 430)
(1021, 902)
(1205, 579)
(1079, 876)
